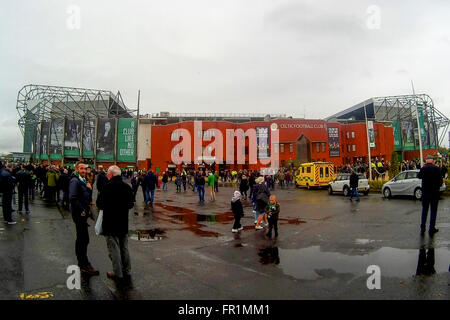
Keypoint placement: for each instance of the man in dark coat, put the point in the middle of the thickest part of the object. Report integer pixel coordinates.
(79, 196)
(150, 182)
(116, 199)
(7, 189)
(64, 180)
(23, 179)
(431, 183)
(102, 179)
(354, 186)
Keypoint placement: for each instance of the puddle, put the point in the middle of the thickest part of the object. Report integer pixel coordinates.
(291, 220)
(309, 263)
(191, 219)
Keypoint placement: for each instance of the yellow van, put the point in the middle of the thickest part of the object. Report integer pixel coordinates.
(315, 174)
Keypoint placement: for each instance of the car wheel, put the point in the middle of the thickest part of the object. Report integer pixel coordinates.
(387, 193)
(330, 190)
(366, 192)
(418, 193)
(307, 186)
(346, 191)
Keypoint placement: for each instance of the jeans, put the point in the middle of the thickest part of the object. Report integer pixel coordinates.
(201, 192)
(23, 195)
(429, 201)
(165, 185)
(81, 244)
(184, 185)
(119, 255)
(354, 192)
(149, 195)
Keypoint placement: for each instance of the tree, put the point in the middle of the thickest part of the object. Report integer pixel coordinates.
(394, 168)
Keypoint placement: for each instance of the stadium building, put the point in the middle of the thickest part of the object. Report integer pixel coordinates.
(61, 125)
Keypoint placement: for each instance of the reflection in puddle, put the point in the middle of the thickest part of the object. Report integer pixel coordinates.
(147, 235)
(191, 219)
(307, 263)
(269, 255)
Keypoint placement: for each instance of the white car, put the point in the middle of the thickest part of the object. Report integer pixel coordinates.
(342, 184)
(406, 184)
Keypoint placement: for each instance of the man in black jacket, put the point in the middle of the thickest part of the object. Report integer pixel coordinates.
(7, 189)
(150, 182)
(63, 182)
(354, 186)
(101, 180)
(431, 182)
(23, 179)
(116, 199)
(79, 196)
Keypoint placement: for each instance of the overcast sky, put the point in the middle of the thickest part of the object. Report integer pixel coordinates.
(310, 58)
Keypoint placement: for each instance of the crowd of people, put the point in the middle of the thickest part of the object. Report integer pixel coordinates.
(73, 189)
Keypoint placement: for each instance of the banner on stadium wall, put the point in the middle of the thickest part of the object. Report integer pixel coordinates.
(262, 142)
(333, 142)
(423, 132)
(371, 133)
(397, 135)
(126, 140)
(88, 137)
(407, 135)
(72, 138)
(37, 142)
(106, 136)
(56, 139)
(45, 133)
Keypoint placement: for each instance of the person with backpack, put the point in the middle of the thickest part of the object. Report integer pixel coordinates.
(261, 195)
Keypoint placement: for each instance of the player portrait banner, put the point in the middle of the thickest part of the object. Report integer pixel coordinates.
(37, 142)
(72, 138)
(408, 135)
(262, 142)
(45, 132)
(56, 139)
(333, 142)
(371, 133)
(397, 135)
(126, 140)
(88, 137)
(106, 135)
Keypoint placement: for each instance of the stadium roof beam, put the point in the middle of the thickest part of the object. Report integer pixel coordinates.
(36, 103)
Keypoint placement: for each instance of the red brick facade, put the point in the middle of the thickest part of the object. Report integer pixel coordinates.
(313, 133)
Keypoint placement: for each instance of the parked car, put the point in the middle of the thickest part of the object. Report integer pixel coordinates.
(406, 183)
(342, 184)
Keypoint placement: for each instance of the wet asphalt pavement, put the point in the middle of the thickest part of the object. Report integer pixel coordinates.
(181, 249)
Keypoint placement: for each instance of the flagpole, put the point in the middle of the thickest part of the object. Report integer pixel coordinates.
(368, 144)
(418, 126)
